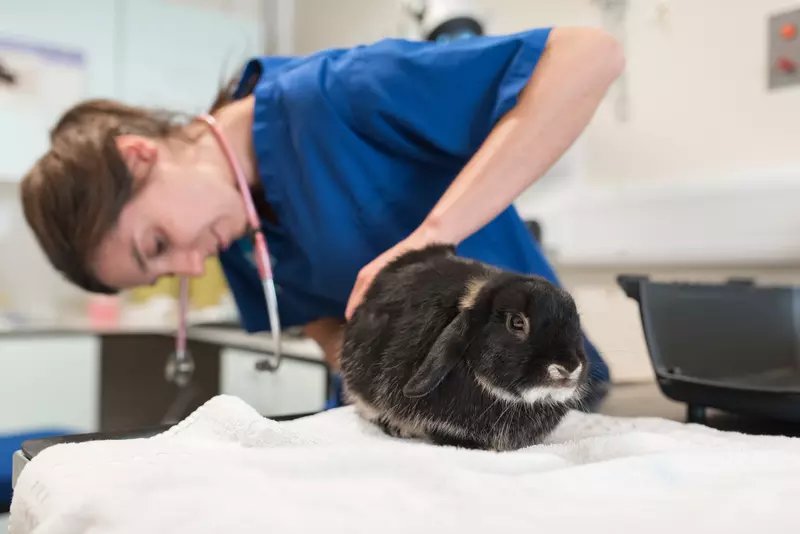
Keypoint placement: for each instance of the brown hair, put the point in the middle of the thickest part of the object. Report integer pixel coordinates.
(74, 194)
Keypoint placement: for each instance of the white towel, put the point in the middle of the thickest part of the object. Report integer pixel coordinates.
(227, 470)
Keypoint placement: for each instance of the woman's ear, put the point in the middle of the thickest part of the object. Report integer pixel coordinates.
(139, 154)
(440, 360)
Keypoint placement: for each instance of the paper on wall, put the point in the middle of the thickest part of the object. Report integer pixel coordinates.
(40, 78)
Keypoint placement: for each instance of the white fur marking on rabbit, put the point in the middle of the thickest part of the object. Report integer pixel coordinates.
(494, 391)
(474, 287)
(544, 394)
(409, 430)
(421, 427)
(449, 428)
(365, 410)
(418, 428)
(535, 394)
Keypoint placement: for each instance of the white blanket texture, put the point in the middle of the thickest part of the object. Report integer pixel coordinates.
(227, 470)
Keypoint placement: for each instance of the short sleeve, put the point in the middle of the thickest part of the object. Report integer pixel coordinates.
(417, 96)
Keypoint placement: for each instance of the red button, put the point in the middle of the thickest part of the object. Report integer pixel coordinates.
(785, 64)
(789, 31)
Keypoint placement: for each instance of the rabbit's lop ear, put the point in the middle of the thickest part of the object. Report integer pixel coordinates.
(440, 360)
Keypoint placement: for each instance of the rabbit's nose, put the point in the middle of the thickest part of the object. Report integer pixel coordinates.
(559, 372)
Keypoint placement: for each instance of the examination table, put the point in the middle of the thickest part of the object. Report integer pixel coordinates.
(35, 445)
(225, 468)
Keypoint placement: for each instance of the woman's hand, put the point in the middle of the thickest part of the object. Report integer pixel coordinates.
(421, 238)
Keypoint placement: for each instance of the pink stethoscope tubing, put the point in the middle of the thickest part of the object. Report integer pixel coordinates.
(182, 357)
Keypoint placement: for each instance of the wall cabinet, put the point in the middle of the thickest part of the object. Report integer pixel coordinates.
(49, 382)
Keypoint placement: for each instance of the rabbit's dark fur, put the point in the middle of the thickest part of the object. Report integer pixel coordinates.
(457, 352)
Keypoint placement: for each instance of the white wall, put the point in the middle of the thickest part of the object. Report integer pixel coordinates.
(698, 100)
(324, 24)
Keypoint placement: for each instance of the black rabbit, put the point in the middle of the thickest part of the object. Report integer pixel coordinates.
(457, 352)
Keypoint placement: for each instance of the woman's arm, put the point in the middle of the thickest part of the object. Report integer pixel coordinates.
(327, 333)
(576, 68)
(575, 71)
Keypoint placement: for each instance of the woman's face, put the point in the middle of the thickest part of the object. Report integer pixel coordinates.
(184, 212)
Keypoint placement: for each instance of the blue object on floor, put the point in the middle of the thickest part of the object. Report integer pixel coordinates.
(8, 446)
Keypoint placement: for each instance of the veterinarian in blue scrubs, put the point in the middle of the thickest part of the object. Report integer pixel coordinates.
(356, 156)
(356, 147)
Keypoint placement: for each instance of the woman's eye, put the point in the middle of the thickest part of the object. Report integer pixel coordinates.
(160, 246)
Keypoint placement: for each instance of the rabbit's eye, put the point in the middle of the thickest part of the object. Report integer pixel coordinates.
(517, 324)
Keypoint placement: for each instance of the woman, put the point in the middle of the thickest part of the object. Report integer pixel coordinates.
(354, 155)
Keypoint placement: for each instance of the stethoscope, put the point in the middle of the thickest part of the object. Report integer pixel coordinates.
(180, 366)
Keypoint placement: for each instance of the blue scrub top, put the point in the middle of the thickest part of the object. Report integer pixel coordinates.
(355, 146)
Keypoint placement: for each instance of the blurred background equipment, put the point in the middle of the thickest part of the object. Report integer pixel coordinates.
(445, 20)
(784, 49)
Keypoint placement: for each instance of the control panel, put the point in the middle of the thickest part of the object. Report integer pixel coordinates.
(784, 49)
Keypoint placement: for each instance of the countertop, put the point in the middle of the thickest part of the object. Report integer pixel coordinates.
(227, 335)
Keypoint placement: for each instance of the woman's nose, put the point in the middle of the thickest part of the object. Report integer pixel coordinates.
(189, 263)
